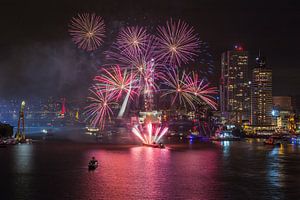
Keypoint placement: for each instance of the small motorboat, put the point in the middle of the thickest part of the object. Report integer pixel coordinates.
(93, 164)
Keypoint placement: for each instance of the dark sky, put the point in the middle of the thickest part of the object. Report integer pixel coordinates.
(38, 58)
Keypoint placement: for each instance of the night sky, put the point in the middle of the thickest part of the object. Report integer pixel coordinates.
(38, 58)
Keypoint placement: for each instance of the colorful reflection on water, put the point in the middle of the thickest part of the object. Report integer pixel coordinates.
(151, 173)
(220, 170)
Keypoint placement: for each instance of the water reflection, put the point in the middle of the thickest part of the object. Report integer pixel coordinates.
(150, 173)
(181, 171)
(23, 167)
(275, 167)
(23, 154)
(225, 146)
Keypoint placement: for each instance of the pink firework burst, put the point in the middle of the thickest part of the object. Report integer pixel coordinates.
(177, 43)
(132, 38)
(202, 90)
(142, 61)
(87, 31)
(178, 88)
(117, 81)
(134, 58)
(99, 109)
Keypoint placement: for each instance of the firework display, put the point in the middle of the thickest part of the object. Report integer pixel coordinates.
(201, 89)
(177, 43)
(99, 109)
(132, 38)
(134, 58)
(87, 31)
(178, 88)
(140, 64)
(152, 135)
(117, 81)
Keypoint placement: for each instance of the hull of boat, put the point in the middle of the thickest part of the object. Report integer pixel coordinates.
(161, 146)
(151, 145)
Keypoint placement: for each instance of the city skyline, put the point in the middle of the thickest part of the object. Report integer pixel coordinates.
(157, 99)
(41, 60)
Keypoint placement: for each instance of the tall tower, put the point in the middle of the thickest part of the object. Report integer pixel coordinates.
(261, 89)
(149, 86)
(20, 135)
(234, 86)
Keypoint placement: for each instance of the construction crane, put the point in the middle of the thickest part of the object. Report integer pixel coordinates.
(20, 135)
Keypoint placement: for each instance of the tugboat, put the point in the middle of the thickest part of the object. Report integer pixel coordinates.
(93, 164)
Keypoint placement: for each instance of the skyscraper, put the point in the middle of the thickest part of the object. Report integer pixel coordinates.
(234, 87)
(261, 92)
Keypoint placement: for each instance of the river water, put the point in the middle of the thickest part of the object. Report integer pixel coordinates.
(221, 170)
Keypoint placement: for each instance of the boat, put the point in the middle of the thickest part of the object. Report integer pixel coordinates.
(93, 165)
(272, 141)
(155, 145)
(92, 130)
(11, 141)
(225, 136)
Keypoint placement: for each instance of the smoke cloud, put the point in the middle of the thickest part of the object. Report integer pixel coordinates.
(47, 69)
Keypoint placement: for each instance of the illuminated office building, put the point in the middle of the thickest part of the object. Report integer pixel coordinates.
(261, 91)
(235, 86)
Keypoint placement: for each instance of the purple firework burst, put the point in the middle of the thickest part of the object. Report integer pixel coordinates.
(177, 43)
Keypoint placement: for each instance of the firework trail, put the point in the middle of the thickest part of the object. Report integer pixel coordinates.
(177, 43)
(179, 88)
(87, 31)
(100, 107)
(117, 81)
(201, 89)
(150, 138)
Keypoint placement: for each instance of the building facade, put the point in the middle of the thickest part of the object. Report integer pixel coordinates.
(261, 94)
(282, 112)
(234, 86)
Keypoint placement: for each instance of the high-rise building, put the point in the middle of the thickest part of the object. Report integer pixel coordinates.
(234, 86)
(261, 92)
